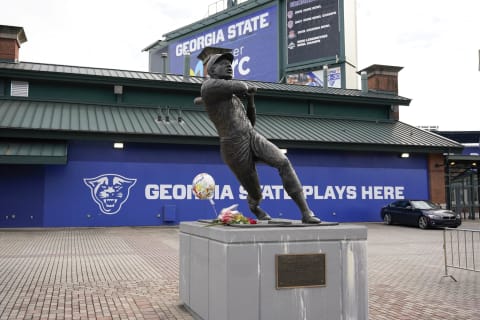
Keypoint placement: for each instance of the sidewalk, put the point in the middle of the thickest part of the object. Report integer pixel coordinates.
(132, 273)
(405, 274)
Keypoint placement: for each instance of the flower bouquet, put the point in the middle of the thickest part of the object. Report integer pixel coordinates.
(231, 215)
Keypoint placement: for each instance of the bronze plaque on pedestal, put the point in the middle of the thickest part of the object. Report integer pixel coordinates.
(300, 270)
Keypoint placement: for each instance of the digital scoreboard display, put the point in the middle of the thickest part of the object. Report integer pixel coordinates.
(312, 30)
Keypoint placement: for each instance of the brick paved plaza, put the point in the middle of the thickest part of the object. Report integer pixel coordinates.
(132, 273)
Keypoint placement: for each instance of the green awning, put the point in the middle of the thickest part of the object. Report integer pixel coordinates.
(73, 121)
(33, 152)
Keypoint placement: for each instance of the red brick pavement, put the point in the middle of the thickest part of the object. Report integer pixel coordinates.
(104, 273)
(406, 276)
(132, 273)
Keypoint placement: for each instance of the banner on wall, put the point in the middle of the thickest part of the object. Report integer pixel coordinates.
(114, 194)
(312, 30)
(253, 40)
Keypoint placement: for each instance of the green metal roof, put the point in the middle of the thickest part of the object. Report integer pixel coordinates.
(55, 69)
(33, 152)
(30, 70)
(463, 157)
(56, 120)
(354, 133)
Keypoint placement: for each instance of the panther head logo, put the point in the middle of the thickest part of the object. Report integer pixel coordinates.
(110, 191)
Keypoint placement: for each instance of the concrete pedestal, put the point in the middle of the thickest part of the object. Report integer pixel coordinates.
(228, 273)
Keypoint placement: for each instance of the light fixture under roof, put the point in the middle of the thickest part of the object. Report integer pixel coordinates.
(118, 145)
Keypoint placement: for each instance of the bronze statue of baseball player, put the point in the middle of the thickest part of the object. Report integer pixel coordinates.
(241, 145)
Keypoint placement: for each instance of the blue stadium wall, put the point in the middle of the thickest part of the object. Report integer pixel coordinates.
(150, 185)
(471, 151)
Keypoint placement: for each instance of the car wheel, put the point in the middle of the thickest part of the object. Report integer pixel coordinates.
(423, 222)
(387, 218)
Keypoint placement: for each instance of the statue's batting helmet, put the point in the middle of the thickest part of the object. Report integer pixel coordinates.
(217, 57)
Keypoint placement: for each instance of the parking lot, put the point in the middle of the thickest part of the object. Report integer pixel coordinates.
(132, 273)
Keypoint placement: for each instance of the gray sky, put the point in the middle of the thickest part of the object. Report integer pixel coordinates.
(436, 41)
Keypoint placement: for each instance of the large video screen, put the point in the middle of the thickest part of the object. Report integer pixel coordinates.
(312, 30)
(253, 39)
(314, 78)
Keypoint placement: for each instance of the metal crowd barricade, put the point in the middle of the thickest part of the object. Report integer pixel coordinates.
(461, 250)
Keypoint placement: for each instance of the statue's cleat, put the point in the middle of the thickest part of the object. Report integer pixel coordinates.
(309, 217)
(260, 214)
(264, 216)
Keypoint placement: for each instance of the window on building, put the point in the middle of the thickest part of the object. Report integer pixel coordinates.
(19, 88)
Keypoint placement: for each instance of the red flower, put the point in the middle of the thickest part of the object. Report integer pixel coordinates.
(226, 217)
(231, 216)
